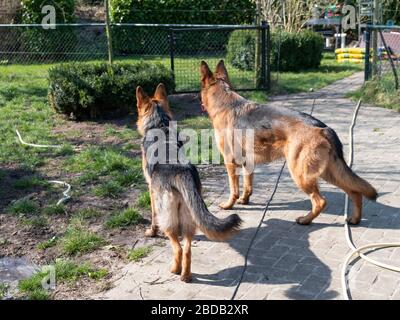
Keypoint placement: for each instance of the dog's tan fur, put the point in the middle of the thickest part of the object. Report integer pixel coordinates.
(307, 145)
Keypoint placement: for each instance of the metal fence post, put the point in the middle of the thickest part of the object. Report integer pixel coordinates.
(171, 54)
(268, 62)
(367, 66)
(109, 34)
(264, 27)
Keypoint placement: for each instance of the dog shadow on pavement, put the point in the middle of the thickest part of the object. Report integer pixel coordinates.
(281, 254)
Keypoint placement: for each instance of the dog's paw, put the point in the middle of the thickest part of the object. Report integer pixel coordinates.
(186, 278)
(353, 220)
(226, 205)
(243, 200)
(151, 232)
(176, 269)
(303, 220)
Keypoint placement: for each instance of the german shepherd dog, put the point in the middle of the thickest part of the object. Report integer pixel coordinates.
(175, 188)
(312, 149)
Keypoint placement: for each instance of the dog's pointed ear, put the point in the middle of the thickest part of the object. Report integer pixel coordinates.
(141, 97)
(162, 97)
(161, 92)
(221, 72)
(205, 73)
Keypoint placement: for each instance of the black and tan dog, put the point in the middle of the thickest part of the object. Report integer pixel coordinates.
(175, 188)
(312, 149)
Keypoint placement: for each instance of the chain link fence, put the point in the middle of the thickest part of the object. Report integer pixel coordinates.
(382, 57)
(179, 47)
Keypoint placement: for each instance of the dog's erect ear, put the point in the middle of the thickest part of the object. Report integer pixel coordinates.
(161, 92)
(161, 96)
(221, 72)
(205, 72)
(141, 96)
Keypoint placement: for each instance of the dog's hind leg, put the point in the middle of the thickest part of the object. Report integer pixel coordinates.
(177, 249)
(186, 274)
(247, 187)
(307, 181)
(233, 185)
(317, 201)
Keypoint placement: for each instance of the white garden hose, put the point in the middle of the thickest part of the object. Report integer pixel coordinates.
(66, 192)
(357, 252)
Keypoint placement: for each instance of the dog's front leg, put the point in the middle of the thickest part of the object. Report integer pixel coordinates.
(233, 185)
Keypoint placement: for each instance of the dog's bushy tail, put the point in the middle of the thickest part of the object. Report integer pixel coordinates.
(213, 227)
(341, 175)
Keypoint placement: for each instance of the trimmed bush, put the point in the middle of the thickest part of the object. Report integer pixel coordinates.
(127, 40)
(293, 51)
(88, 91)
(188, 11)
(48, 44)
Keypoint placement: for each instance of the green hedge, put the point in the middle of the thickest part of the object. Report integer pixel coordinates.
(48, 43)
(188, 11)
(127, 40)
(294, 51)
(87, 90)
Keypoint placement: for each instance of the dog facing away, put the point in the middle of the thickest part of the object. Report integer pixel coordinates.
(175, 187)
(312, 149)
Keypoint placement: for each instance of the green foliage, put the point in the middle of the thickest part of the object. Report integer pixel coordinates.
(140, 253)
(188, 11)
(125, 218)
(380, 92)
(108, 189)
(47, 40)
(79, 240)
(144, 200)
(289, 51)
(3, 290)
(89, 90)
(31, 11)
(241, 49)
(65, 271)
(298, 51)
(154, 40)
(23, 207)
(47, 244)
(29, 182)
(54, 209)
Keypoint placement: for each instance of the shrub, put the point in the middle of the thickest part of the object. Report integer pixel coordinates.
(88, 90)
(292, 51)
(188, 11)
(241, 49)
(48, 43)
(154, 40)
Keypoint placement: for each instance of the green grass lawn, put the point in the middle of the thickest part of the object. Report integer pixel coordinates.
(380, 92)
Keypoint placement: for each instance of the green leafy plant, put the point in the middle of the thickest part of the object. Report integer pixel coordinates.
(50, 41)
(124, 218)
(79, 240)
(289, 51)
(138, 254)
(89, 90)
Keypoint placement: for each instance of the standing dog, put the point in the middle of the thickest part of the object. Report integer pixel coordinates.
(312, 149)
(175, 188)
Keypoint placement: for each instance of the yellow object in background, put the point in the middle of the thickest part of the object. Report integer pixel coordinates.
(350, 56)
(350, 60)
(350, 50)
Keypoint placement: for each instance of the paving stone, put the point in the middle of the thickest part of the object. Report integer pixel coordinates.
(289, 261)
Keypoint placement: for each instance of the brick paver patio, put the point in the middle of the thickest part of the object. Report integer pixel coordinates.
(289, 261)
